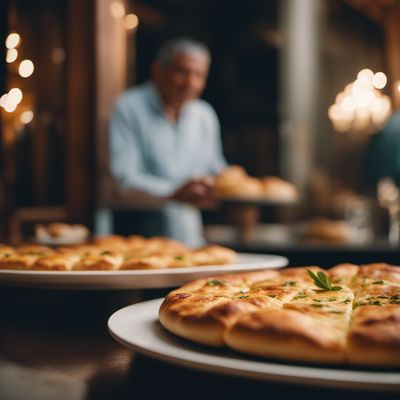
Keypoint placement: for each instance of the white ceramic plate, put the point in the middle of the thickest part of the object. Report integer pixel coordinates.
(135, 279)
(137, 327)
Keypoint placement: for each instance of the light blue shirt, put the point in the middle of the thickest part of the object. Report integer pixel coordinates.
(156, 156)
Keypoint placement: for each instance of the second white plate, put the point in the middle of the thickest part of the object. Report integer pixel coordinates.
(134, 279)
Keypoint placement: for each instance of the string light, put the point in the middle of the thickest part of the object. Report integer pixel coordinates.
(131, 21)
(117, 9)
(26, 117)
(361, 107)
(26, 68)
(13, 40)
(12, 55)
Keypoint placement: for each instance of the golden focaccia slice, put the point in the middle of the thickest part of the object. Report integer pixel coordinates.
(106, 260)
(18, 261)
(33, 249)
(374, 334)
(212, 255)
(58, 261)
(181, 260)
(202, 310)
(154, 261)
(23, 256)
(309, 326)
(111, 242)
(6, 251)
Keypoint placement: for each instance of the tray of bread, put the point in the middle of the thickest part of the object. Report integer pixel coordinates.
(234, 185)
(118, 262)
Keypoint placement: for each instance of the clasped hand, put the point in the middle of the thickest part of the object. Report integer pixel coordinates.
(197, 192)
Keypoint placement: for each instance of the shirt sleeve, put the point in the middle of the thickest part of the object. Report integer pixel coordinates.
(127, 164)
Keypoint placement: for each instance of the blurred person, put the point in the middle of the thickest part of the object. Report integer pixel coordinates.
(382, 156)
(165, 147)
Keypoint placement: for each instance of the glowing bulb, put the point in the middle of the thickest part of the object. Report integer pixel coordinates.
(365, 75)
(12, 55)
(12, 40)
(117, 9)
(3, 100)
(348, 103)
(58, 55)
(379, 80)
(26, 117)
(10, 106)
(131, 21)
(15, 95)
(26, 68)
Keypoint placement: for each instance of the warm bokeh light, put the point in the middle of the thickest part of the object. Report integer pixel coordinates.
(131, 21)
(10, 106)
(398, 86)
(361, 107)
(365, 75)
(58, 55)
(12, 40)
(12, 55)
(379, 81)
(15, 95)
(26, 68)
(117, 9)
(3, 100)
(26, 117)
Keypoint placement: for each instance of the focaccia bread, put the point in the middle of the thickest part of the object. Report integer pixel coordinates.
(112, 253)
(352, 317)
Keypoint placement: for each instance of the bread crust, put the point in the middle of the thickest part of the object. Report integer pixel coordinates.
(283, 315)
(114, 252)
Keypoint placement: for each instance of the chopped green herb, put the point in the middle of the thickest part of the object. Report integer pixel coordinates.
(367, 303)
(347, 301)
(105, 253)
(322, 281)
(243, 297)
(380, 282)
(300, 296)
(317, 305)
(272, 295)
(336, 312)
(215, 282)
(289, 283)
(179, 258)
(375, 303)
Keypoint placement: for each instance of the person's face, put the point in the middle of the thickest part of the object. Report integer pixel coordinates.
(184, 79)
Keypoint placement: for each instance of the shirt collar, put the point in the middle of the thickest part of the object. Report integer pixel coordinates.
(157, 103)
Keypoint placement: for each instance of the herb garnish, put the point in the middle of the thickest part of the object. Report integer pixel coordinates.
(215, 282)
(322, 281)
(380, 282)
(179, 258)
(300, 296)
(289, 283)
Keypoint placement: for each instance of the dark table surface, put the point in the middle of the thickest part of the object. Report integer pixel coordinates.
(54, 344)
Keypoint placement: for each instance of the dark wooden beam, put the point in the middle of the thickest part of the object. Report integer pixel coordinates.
(376, 10)
(80, 166)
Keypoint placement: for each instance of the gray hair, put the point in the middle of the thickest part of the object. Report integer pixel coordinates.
(170, 49)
